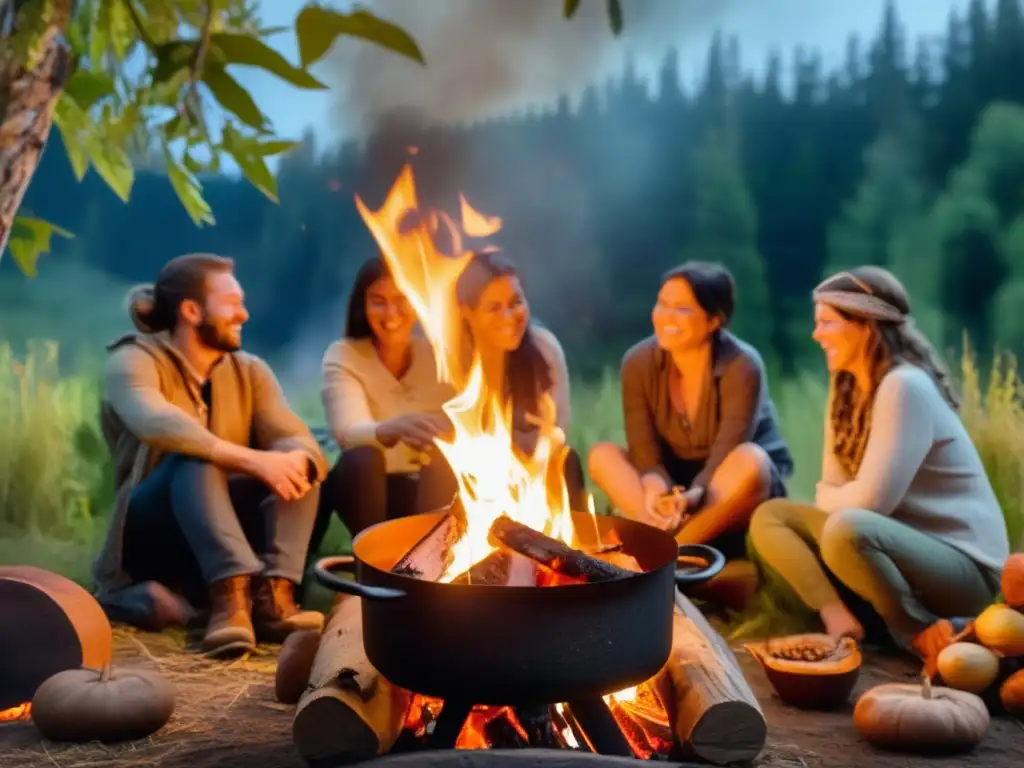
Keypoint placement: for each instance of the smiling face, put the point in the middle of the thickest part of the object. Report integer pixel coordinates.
(844, 341)
(501, 315)
(390, 316)
(219, 319)
(679, 321)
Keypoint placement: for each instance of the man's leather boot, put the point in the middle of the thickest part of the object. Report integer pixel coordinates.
(275, 614)
(230, 626)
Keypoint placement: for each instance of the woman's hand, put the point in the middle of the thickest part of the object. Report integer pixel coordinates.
(417, 430)
(654, 510)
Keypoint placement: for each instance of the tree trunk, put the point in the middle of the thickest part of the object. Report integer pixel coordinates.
(28, 96)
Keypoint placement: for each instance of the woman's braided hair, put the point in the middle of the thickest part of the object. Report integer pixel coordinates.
(873, 296)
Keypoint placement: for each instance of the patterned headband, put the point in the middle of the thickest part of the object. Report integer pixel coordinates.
(864, 305)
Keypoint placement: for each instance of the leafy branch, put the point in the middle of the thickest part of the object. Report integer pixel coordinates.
(110, 121)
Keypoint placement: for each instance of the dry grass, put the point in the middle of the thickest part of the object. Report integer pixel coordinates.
(994, 416)
(217, 705)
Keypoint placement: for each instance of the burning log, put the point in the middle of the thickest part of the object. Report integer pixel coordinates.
(501, 569)
(540, 730)
(349, 713)
(431, 555)
(713, 712)
(552, 553)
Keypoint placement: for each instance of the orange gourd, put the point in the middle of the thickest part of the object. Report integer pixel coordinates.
(1013, 580)
(1011, 694)
(809, 671)
(1001, 629)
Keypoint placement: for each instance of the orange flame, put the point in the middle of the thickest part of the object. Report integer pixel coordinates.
(476, 224)
(20, 712)
(493, 480)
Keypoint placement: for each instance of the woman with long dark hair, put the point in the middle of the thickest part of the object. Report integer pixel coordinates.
(521, 359)
(703, 447)
(904, 515)
(383, 403)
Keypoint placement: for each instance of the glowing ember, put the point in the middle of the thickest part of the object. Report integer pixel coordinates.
(494, 480)
(20, 712)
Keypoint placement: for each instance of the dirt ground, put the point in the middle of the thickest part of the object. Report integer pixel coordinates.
(227, 717)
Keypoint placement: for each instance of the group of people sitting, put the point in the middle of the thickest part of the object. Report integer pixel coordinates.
(223, 492)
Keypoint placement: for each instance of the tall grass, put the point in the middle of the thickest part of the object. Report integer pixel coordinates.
(55, 474)
(54, 471)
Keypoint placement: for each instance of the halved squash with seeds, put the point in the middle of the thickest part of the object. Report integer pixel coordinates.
(809, 671)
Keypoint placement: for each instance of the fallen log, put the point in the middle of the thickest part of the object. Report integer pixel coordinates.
(501, 568)
(712, 710)
(430, 557)
(551, 553)
(349, 712)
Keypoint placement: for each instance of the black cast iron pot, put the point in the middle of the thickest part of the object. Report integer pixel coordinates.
(508, 645)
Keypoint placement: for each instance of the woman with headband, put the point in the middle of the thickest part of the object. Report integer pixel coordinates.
(904, 515)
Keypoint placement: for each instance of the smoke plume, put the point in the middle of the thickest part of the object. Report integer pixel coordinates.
(487, 57)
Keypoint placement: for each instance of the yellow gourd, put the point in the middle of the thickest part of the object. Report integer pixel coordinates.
(1001, 629)
(968, 667)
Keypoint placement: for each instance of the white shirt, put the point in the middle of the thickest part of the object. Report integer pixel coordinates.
(359, 393)
(921, 468)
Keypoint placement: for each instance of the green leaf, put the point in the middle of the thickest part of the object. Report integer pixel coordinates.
(175, 128)
(271, 148)
(30, 239)
(87, 87)
(233, 97)
(250, 51)
(113, 165)
(570, 8)
(120, 128)
(615, 16)
(172, 58)
(191, 164)
(188, 190)
(317, 28)
(120, 28)
(73, 124)
(246, 153)
(98, 31)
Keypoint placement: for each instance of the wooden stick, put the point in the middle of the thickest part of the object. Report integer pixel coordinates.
(713, 711)
(502, 568)
(552, 553)
(431, 555)
(349, 712)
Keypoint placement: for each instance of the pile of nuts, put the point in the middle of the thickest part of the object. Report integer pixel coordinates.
(801, 650)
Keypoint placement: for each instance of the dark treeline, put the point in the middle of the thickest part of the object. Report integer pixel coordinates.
(911, 154)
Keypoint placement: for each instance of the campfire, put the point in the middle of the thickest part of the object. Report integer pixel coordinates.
(14, 714)
(508, 619)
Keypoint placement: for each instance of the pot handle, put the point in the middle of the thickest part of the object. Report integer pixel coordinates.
(714, 557)
(322, 570)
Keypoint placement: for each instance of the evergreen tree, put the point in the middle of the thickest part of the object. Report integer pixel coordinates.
(725, 230)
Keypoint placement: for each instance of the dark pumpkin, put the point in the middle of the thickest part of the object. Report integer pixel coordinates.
(49, 624)
(83, 705)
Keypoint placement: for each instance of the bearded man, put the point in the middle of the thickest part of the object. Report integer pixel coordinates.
(217, 479)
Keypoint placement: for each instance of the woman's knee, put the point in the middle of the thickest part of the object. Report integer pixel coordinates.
(770, 514)
(751, 469)
(845, 535)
